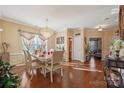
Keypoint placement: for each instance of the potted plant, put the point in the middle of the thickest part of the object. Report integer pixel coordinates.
(117, 47)
(7, 78)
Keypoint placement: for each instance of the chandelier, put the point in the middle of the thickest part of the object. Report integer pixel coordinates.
(100, 28)
(46, 31)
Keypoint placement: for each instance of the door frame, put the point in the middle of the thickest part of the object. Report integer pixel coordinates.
(70, 49)
(100, 42)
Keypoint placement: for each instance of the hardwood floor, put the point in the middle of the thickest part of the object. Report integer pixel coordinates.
(76, 75)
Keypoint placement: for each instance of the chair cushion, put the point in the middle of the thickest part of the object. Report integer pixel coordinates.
(55, 66)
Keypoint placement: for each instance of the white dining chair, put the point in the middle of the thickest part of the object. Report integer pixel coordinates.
(27, 62)
(32, 64)
(55, 63)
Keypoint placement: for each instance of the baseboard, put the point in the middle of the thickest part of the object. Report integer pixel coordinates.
(21, 64)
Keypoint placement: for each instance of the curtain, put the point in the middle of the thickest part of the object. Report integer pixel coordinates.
(32, 41)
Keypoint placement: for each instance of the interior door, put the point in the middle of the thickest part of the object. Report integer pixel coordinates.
(77, 51)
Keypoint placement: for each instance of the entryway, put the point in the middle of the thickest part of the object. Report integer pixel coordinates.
(95, 47)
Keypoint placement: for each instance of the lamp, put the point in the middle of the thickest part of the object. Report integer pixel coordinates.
(1, 29)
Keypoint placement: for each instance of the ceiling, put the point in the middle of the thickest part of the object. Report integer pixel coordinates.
(61, 17)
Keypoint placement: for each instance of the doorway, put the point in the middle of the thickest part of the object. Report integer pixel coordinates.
(70, 49)
(77, 48)
(95, 47)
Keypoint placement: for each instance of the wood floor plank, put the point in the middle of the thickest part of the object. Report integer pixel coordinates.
(76, 75)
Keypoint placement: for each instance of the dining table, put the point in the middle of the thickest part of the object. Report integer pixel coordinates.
(43, 60)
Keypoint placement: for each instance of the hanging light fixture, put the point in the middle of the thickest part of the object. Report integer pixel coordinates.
(46, 33)
(100, 28)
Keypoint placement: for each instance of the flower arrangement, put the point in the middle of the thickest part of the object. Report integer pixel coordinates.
(117, 45)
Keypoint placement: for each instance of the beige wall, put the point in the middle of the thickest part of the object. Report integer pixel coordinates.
(11, 36)
(51, 42)
(63, 34)
(0, 42)
(70, 33)
(0, 36)
(106, 37)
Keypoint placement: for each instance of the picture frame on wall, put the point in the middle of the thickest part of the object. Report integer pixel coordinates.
(60, 40)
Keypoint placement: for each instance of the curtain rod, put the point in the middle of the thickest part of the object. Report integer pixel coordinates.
(28, 32)
(34, 33)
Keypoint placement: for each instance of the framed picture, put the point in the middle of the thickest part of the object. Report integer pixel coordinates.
(60, 40)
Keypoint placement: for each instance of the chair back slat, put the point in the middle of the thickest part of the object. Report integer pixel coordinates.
(58, 56)
(27, 56)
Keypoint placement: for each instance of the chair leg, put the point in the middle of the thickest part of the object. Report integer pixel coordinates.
(29, 71)
(32, 75)
(51, 76)
(34, 71)
(45, 72)
(61, 72)
(42, 70)
(27, 68)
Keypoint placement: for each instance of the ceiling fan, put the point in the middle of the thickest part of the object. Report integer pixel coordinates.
(99, 28)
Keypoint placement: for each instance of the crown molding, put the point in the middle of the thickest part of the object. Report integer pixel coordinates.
(19, 22)
(25, 24)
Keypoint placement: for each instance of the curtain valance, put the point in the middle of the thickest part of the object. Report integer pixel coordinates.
(32, 41)
(30, 35)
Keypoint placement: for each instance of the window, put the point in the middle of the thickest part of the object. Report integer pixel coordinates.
(34, 43)
(38, 44)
